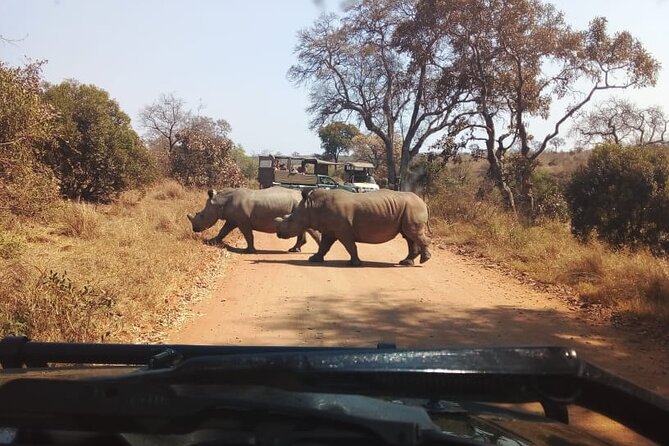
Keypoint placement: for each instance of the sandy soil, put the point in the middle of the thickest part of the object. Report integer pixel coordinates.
(278, 298)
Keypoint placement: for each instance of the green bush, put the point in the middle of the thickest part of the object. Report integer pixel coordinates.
(549, 199)
(622, 194)
(95, 153)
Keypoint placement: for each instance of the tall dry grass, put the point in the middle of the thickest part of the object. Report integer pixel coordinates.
(101, 273)
(635, 282)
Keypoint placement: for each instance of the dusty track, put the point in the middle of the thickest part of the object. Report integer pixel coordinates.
(277, 298)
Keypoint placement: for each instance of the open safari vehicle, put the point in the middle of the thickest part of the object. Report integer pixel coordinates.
(297, 173)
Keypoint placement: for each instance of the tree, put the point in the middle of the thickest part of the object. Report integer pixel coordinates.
(370, 148)
(26, 185)
(623, 194)
(248, 165)
(203, 156)
(95, 152)
(359, 68)
(519, 57)
(165, 119)
(622, 122)
(336, 139)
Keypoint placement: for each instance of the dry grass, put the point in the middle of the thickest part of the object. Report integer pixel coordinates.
(633, 282)
(101, 273)
(79, 221)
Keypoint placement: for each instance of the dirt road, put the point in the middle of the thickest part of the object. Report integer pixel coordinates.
(278, 298)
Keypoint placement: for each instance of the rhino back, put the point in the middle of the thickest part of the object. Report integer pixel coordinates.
(373, 217)
(264, 205)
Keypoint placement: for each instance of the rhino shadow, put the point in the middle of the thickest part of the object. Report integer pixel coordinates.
(329, 263)
(237, 250)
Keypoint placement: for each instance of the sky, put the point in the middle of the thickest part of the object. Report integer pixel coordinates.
(230, 58)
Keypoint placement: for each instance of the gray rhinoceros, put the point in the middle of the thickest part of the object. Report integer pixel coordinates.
(374, 217)
(249, 210)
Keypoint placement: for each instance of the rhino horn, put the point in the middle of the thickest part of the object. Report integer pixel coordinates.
(190, 217)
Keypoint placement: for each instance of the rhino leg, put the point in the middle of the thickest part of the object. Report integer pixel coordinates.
(326, 243)
(425, 254)
(315, 235)
(301, 240)
(349, 243)
(247, 232)
(413, 252)
(225, 230)
(423, 243)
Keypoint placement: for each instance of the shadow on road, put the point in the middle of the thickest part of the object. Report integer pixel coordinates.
(378, 317)
(328, 263)
(237, 250)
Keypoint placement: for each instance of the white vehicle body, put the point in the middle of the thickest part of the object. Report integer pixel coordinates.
(359, 176)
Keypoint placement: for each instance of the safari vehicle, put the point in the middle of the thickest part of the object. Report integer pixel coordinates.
(359, 175)
(113, 394)
(297, 173)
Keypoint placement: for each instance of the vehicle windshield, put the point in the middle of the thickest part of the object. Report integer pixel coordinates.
(362, 178)
(182, 173)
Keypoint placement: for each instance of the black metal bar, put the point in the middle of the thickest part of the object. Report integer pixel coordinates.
(16, 351)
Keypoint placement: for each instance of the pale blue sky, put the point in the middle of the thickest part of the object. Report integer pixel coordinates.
(232, 56)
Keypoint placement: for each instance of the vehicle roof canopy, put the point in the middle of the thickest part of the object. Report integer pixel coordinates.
(359, 165)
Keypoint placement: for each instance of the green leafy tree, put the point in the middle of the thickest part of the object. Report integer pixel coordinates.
(248, 165)
(95, 152)
(336, 139)
(622, 194)
(26, 185)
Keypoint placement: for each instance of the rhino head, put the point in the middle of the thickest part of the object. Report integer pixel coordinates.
(296, 223)
(208, 216)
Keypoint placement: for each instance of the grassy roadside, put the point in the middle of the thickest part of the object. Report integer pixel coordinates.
(102, 273)
(633, 283)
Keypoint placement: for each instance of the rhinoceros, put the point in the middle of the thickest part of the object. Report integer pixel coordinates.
(249, 210)
(374, 217)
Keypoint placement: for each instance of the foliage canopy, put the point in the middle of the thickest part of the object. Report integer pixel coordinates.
(26, 186)
(95, 153)
(623, 195)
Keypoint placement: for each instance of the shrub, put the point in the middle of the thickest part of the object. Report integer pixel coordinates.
(203, 157)
(95, 152)
(169, 190)
(11, 245)
(623, 195)
(80, 221)
(58, 309)
(26, 186)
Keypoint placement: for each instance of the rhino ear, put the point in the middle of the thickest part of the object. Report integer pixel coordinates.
(211, 193)
(306, 193)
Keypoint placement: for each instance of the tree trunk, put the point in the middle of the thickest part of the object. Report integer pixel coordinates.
(496, 174)
(526, 198)
(405, 183)
(390, 162)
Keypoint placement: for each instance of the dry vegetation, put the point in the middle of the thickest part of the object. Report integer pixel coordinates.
(626, 281)
(101, 273)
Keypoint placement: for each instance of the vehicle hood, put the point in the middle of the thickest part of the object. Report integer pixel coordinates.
(482, 423)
